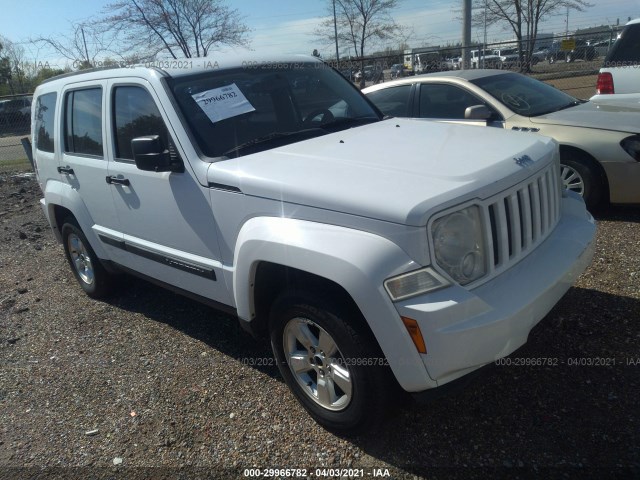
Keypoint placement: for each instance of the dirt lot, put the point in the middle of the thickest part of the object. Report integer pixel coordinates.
(583, 86)
(152, 385)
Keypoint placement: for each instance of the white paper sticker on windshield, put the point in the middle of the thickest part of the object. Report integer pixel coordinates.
(224, 102)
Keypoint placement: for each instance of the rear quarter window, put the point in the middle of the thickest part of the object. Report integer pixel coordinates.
(44, 116)
(626, 50)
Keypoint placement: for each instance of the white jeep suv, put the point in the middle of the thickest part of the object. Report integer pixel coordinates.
(373, 253)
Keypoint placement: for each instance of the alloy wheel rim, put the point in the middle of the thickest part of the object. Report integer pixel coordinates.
(317, 364)
(571, 179)
(80, 259)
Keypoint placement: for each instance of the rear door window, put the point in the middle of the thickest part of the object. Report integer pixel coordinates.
(83, 122)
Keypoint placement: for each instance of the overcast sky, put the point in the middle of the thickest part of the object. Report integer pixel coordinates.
(285, 26)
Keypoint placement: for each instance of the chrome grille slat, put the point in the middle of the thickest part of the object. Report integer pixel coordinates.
(552, 192)
(544, 204)
(503, 235)
(535, 209)
(520, 219)
(516, 226)
(527, 230)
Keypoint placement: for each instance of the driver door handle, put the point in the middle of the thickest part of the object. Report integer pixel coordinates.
(67, 170)
(119, 181)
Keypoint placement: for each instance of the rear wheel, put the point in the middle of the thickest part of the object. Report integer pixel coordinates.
(580, 176)
(330, 362)
(86, 267)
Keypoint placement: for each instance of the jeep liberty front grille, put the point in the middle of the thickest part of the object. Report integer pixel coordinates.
(515, 222)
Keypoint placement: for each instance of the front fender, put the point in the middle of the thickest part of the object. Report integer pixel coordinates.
(358, 261)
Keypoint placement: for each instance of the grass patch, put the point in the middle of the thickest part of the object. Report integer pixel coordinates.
(19, 165)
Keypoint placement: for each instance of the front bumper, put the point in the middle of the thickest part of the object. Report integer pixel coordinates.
(464, 330)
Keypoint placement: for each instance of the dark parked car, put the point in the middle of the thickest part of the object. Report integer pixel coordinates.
(15, 111)
(397, 70)
(582, 51)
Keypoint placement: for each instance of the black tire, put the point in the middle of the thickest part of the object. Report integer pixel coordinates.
(552, 59)
(85, 265)
(569, 58)
(356, 352)
(589, 178)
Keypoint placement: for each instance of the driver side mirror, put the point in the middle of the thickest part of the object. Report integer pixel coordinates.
(478, 112)
(151, 155)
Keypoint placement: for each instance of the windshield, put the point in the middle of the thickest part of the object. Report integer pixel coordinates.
(263, 107)
(525, 95)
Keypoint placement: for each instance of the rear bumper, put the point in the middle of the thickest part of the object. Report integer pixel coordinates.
(464, 330)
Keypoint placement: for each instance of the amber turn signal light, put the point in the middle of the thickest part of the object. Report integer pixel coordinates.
(416, 335)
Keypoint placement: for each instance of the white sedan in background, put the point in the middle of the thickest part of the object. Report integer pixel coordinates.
(599, 143)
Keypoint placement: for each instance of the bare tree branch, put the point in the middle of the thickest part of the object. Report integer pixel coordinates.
(523, 18)
(179, 28)
(360, 23)
(83, 46)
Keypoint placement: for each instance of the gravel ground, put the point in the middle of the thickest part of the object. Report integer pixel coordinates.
(153, 385)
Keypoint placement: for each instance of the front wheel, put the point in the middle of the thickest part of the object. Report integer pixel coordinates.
(330, 362)
(86, 267)
(580, 177)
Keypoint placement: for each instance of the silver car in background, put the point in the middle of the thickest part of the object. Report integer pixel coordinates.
(599, 143)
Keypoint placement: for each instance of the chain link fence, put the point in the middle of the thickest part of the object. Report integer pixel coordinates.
(569, 62)
(15, 118)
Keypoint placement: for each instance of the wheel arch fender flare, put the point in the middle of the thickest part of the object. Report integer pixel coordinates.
(580, 154)
(354, 259)
(63, 195)
(358, 261)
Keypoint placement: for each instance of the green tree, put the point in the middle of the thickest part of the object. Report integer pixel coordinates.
(5, 70)
(45, 73)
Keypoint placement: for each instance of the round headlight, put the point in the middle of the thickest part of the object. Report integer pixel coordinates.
(459, 246)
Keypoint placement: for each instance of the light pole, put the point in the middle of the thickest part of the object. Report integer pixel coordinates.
(335, 31)
(466, 33)
(484, 44)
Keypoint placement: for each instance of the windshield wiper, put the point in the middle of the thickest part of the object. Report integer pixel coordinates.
(282, 139)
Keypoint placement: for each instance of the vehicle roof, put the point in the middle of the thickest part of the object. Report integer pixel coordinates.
(186, 66)
(635, 20)
(468, 74)
(471, 74)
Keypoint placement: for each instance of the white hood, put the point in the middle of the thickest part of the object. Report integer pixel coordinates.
(396, 170)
